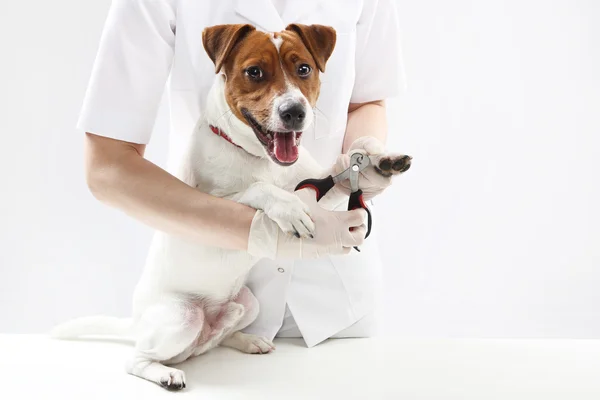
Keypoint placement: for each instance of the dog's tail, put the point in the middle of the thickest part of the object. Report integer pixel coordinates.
(94, 326)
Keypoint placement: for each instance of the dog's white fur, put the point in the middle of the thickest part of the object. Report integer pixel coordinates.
(191, 297)
(181, 275)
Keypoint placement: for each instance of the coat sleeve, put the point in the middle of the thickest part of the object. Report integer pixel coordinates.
(379, 65)
(130, 71)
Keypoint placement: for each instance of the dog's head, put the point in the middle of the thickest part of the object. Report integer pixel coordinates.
(271, 80)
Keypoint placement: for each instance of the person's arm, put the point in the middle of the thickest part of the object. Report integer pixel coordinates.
(118, 115)
(133, 63)
(379, 71)
(118, 175)
(365, 119)
(377, 39)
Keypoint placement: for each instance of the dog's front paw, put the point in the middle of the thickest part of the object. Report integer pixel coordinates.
(292, 216)
(391, 164)
(386, 164)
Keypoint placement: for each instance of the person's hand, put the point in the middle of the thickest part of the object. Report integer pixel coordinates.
(335, 232)
(377, 177)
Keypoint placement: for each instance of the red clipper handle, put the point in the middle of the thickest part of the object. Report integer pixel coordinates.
(356, 201)
(321, 186)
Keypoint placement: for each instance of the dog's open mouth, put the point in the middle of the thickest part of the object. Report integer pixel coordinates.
(282, 147)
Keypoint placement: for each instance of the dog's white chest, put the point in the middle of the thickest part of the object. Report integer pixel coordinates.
(219, 168)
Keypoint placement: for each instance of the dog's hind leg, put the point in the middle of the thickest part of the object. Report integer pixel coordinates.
(245, 342)
(225, 322)
(166, 334)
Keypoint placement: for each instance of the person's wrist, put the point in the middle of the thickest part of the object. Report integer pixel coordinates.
(263, 236)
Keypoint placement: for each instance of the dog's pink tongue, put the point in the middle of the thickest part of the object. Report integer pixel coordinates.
(286, 149)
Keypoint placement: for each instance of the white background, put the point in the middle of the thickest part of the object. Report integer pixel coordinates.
(495, 231)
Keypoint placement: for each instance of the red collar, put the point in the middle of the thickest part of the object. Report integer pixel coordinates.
(219, 132)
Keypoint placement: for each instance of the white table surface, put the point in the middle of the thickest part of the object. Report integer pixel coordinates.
(35, 367)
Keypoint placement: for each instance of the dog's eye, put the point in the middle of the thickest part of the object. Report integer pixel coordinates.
(254, 72)
(304, 70)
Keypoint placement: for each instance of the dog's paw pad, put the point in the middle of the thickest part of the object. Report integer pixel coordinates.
(389, 165)
(174, 381)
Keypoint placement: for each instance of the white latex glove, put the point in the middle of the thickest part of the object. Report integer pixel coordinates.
(370, 181)
(332, 234)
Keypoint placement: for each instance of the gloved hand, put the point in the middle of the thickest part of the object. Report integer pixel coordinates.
(332, 234)
(374, 179)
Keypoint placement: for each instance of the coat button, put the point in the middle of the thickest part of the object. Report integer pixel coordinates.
(281, 270)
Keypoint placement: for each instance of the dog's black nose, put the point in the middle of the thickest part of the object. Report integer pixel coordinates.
(292, 115)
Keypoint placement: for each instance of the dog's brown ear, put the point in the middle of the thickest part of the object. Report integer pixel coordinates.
(219, 40)
(318, 39)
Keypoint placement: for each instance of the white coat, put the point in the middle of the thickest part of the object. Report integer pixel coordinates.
(147, 43)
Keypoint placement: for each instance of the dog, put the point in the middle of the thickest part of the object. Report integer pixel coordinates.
(192, 298)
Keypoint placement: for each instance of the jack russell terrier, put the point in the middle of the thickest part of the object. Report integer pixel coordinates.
(191, 298)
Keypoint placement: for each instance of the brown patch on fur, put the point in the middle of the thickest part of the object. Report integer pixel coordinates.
(318, 39)
(219, 40)
(235, 48)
